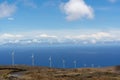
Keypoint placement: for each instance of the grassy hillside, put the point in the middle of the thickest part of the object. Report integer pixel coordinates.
(45, 73)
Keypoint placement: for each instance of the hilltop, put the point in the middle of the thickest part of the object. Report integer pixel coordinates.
(46, 73)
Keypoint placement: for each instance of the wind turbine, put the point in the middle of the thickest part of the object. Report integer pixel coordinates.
(32, 59)
(99, 66)
(85, 65)
(92, 65)
(50, 61)
(63, 62)
(13, 61)
(75, 63)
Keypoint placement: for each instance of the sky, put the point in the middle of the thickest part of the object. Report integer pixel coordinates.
(61, 21)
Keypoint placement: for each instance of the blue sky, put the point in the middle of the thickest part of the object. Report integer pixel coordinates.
(73, 18)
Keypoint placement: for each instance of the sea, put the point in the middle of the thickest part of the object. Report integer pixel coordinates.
(81, 56)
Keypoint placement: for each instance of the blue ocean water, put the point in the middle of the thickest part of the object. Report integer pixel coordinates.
(98, 55)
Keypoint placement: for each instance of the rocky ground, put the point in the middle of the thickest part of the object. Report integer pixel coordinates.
(45, 73)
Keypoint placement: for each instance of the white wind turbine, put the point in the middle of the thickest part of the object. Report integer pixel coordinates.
(13, 61)
(85, 65)
(33, 60)
(92, 65)
(75, 63)
(63, 62)
(99, 66)
(50, 61)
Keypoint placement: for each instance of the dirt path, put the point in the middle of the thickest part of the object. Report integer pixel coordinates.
(17, 74)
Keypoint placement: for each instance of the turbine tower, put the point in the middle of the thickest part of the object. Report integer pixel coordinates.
(75, 63)
(85, 65)
(98, 66)
(50, 61)
(92, 65)
(32, 59)
(63, 62)
(13, 61)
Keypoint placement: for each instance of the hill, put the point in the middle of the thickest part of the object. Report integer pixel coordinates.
(46, 73)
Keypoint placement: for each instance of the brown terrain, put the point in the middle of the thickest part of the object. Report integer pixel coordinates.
(45, 73)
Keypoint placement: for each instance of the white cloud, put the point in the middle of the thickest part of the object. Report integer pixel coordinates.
(77, 9)
(29, 41)
(85, 42)
(10, 36)
(10, 19)
(6, 9)
(101, 35)
(79, 38)
(13, 41)
(36, 41)
(45, 36)
(93, 41)
(98, 36)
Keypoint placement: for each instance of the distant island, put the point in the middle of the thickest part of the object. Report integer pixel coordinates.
(46, 73)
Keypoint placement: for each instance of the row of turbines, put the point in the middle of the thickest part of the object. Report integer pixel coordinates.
(50, 61)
